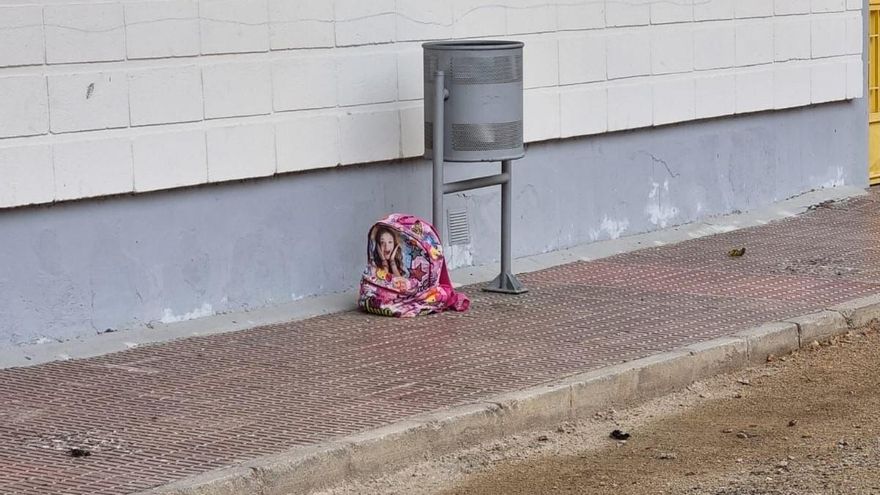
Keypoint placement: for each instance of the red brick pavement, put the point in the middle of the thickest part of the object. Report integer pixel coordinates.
(155, 414)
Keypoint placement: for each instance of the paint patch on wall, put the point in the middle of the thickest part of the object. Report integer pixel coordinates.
(169, 317)
(612, 229)
(459, 255)
(659, 211)
(838, 180)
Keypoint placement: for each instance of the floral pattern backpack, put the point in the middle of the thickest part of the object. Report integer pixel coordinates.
(406, 272)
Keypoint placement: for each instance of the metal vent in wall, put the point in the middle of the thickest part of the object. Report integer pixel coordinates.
(458, 225)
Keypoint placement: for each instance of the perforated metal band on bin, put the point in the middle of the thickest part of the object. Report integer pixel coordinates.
(487, 70)
(487, 137)
(479, 70)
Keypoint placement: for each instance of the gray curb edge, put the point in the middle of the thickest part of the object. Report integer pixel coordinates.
(383, 450)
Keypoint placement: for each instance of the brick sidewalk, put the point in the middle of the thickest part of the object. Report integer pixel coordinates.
(159, 413)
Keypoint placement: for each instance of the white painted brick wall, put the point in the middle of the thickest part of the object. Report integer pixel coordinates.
(715, 95)
(672, 49)
(24, 109)
(83, 102)
(162, 96)
(360, 22)
(241, 152)
(791, 38)
(584, 110)
(237, 89)
(630, 105)
(582, 58)
(754, 90)
(753, 8)
(21, 36)
(423, 20)
(855, 77)
(627, 12)
(304, 82)
(412, 130)
(828, 35)
(828, 81)
(754, 42)
(674, 100)
(234, 26)
(410, 74)
(854, 33)
(791, 85)
(540, 62)
(301, 24)
(672, 11)
(163, 161)
(628, 53)
(713, 10)
(275, 86)
(369, 135)
(92, 168)
(715, 45)
(584, 14)
(307, 142)
(84, 32)
(530, 16)
(828, 5)
(475, 18)
(28, 175)
(789, 7)
(541, 114)
(162, 29)
(366, 78)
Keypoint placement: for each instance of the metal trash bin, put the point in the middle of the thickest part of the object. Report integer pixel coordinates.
(484, 121)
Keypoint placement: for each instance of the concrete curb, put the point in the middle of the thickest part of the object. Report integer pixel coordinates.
(384, 450)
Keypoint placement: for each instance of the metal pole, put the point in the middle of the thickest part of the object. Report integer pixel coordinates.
(505, 219)
(506, 282)
(438, 144)
(479, 182)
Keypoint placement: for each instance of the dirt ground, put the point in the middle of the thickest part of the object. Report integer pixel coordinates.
(808, 423)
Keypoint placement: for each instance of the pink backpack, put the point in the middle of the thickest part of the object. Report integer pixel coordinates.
(406, 273)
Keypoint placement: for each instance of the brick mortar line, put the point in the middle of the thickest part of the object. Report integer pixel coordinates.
(386, 449)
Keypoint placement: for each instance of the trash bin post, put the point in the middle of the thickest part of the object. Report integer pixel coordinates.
(437, 189)
(485, 124)
(506, 282)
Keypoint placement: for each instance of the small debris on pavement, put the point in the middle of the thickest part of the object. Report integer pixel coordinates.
(543, 438)
(823, 204)
(744, 381)
(793, 422)
(727, 430)
(742, 434)
(667, 455)
(619, 435)
(78, 452)
(736, 252)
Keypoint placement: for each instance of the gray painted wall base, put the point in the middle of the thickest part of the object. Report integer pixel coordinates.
(76, 269)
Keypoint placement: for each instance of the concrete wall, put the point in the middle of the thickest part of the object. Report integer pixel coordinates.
(108, 97)
(76, 268)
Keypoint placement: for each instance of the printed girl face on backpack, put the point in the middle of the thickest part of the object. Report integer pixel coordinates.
(404, 267)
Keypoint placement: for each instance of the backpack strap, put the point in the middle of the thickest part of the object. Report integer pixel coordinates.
(457, 300)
